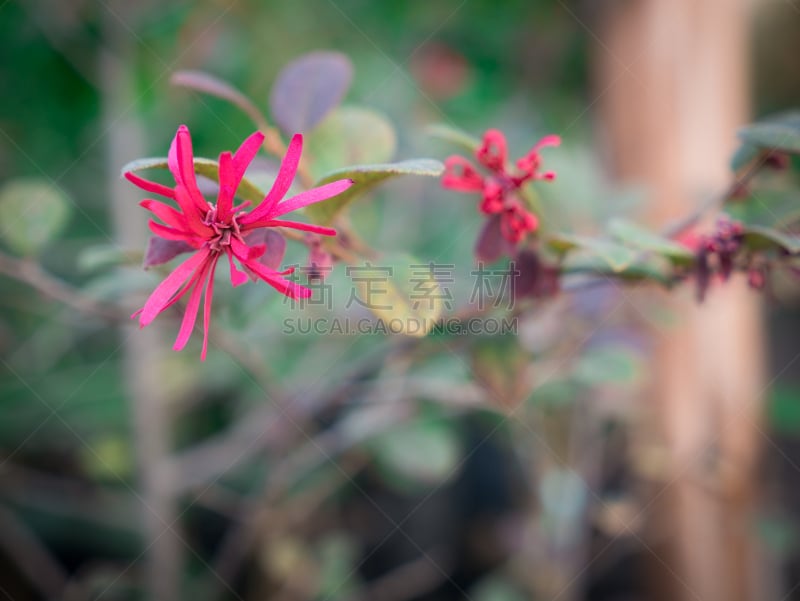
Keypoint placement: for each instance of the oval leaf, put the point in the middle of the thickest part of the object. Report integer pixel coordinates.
(643, 239)
(366, 177)
(308, 88)
(402, 292)
(209, 168)
(759, 237)
(209, 84)
(781, 133)
(617, 257)
(32, 214)
(652, 269)
(350, 135)
(160, 251)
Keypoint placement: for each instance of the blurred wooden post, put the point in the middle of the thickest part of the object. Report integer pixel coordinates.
(141, 362)
(672, 76)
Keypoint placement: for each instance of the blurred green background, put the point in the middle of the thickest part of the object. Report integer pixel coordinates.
(85, 88)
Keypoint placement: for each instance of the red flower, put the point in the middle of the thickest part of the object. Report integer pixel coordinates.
(214, 230)
(500, 188)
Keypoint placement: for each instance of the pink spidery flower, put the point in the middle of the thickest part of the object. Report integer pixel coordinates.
(222, 229)
(500, 188)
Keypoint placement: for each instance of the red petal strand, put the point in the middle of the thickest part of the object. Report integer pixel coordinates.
(172, 156)
(194, 217)
(551, 140)
(492, 152)
(238, 277)
(165, 213)
(297, 225)
(239, 207)
(310, 197)
(460, 175)
(170, 233)
(164, 292)
(285, 287)
(282, 183)
(207, 309)
(227, 186)
(256, 252)
(246, 153)
(239, 249)
(190, 315)
(493, 198)
(186, 168)
(149, 186)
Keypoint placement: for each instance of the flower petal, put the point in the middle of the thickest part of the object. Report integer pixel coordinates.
(165, 213)
(311, 196)
(194, 217)
(238, 277)
(232, 170)
(283, 181)
(181, 162)
(207, 309)
(149, 186)
(460, 175)
(164, 292)
(227, 186)
(274, 279)
(170, 233)
(190, 315)
(245, 154)
(297, 225)
(493, 151)
(551, 140)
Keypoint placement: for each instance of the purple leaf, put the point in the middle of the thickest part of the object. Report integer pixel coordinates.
(308, 88)
(531, 277)
(275, 243)
(491, 244)
(160, 251)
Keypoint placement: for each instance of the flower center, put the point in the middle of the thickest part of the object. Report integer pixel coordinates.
(224, 230)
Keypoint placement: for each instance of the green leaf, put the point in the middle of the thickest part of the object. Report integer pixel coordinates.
(745, 155)
(420, 452)
(769, 207)
(350, 135)
(643, 239)
(759, 237)
(367, 177)
(654, 269)
(209, 168)
(401, 292)
(617, 257)
(779, 133)
(32, 214)
(308, 88)
(454, 136)
(209, 84)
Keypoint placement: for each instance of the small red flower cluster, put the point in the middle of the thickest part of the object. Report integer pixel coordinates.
(500, 188)
(716, 253)
(216, 230)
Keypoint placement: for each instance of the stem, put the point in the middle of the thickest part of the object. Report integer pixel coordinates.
(29, 272)
(141, 364)
(32, 558)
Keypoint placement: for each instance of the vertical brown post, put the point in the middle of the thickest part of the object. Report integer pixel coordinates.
(672, 80)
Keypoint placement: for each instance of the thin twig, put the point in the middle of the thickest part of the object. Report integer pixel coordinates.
(31, 273)
(33, 558)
